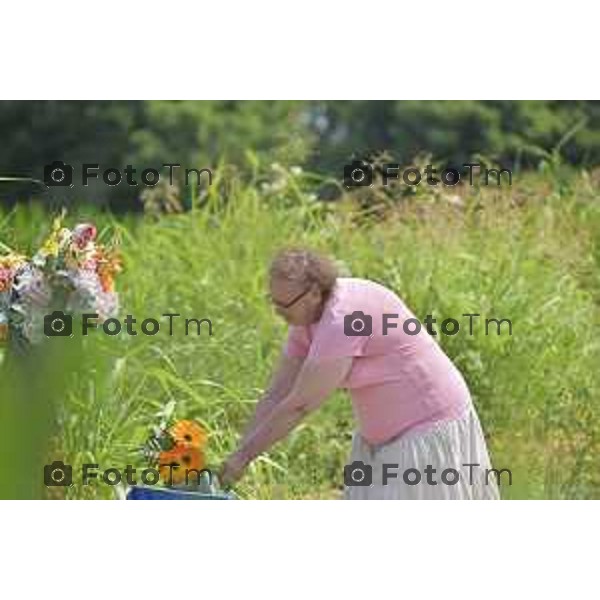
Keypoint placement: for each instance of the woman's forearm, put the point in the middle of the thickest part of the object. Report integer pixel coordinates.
(278, 424)
(264, 406)
(281, 384)
(313, 385)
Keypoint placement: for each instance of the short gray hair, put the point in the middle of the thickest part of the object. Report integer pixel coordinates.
(305, 267)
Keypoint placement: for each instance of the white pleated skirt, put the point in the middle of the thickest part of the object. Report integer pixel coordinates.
(448, 460)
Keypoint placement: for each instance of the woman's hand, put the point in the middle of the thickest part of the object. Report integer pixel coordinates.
(233, 469)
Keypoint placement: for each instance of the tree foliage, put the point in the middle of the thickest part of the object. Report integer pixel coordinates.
(322, 135)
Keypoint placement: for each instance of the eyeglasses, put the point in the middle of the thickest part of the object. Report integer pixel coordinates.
(291, 302)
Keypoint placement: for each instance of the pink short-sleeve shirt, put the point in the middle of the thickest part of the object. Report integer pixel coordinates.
(398, 381)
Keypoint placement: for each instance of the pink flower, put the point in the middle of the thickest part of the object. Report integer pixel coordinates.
(6, 277)
(83, 234)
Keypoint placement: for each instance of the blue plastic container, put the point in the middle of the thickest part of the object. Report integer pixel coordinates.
(140, 492)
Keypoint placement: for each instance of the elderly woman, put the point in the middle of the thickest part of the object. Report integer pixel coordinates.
(418, 434)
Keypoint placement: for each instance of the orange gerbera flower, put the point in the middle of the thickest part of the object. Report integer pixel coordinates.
(189, 433)
(175, 464)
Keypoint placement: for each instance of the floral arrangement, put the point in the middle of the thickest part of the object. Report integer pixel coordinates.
(177, 449)
(71, 271)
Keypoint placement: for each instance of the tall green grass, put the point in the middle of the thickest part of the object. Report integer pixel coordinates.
(529, 254)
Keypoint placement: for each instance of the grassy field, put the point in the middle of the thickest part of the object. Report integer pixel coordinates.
(530, 253)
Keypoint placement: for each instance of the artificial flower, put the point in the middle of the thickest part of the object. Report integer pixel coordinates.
(108, 265)
(83, 234)
(70, 272)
